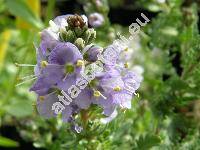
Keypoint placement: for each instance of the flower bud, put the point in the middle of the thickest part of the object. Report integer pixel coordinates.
(63, 35)
(91, 53)
(89, 36)
(70, 37)
(78, 31)
(75, 21)
(67, 36)
(96, 20)
(80, 43)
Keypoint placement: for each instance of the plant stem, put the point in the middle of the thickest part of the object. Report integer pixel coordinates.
(84, 118)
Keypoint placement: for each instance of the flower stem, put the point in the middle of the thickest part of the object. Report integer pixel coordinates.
(85, 118)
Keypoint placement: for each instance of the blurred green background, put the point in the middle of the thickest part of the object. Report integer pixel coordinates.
(167, 113)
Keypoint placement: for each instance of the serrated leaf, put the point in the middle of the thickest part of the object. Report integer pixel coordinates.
(147, 142)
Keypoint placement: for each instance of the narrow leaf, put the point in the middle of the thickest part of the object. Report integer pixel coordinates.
(20, 9)
(6, 142)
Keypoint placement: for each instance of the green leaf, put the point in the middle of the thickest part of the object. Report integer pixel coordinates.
(20, 109)
(20, 9)
(147, 142)
(49, 12)
(5, 142)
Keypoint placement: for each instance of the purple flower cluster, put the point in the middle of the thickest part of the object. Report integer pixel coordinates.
(65, 58)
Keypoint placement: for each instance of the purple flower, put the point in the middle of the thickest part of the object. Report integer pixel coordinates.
(61, 21)
(64, 53)
(49, 76)
(96, 20)
(91, 53)
(110, 118)
(62, 63)
(68, 82)
(119, 87)
(84, 99)
(107, 104)
(82, 96)
(47, 46)
(123, 94)
(110, 56)
(49, 101)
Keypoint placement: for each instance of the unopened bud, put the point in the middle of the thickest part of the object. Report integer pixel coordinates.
(91, 53)
(63, 35)
(96, 20)
(75, 21)
(89, 36)
(70, 37)
(79, 31)
(80, 43)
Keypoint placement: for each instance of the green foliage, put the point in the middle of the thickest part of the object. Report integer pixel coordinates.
(147, 142)
(16, 110)
(5, 142)
(20, 9)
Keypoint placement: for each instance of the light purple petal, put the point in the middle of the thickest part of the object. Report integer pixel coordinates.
(122, 98)
(66, 83)
(66, 113)
(110, 118)
(49, 76)
(64, 53)
(84, 99)
(44, 106)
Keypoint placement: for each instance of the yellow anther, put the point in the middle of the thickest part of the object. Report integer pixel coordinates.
(123, 110)
(41, 98)
(16, 64)
(117, 88)
(137, 94)
(40, 34)
(19, 79)
(34, 104)
(97, 94)
(126, 65)
(44, 64)
(79, 63)
(126, 49)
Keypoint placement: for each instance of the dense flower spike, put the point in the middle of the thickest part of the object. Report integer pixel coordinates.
(74, 75)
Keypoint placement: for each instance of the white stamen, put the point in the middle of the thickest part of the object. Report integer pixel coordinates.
(22, 78)
(136, 94)
(53, 26)
(65, 77)
(24, 65)
(121, 105)
(103, 96)
(54, 65)
(98, 93)
(25, 81)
